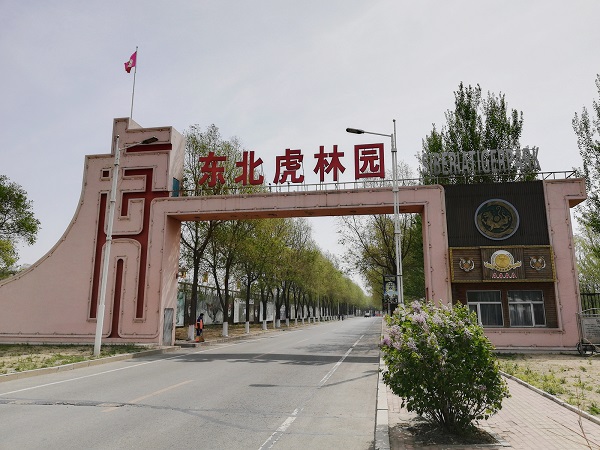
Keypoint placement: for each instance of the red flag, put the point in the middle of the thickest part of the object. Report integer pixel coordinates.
(131, 63)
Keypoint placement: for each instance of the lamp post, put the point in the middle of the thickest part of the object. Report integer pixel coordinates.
(109, 229)
(397, 236)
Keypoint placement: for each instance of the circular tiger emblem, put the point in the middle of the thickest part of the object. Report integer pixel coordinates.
(497, 219)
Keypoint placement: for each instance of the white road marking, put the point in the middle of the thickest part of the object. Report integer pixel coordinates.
(115, 370)
(282, 428)
(272, 440)
(326, 377)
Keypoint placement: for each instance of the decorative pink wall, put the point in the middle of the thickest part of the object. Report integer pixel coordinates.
(56, 298)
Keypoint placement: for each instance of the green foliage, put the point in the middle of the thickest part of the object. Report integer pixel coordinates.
(413, 263)
(587, 244)
(371, 251)
(587, 251)
(588, 140)
(199, 144)
(17, 222)
(476, 124)
(594, 409)
(273, 258)
(195, 236)
(547, 382)
(8, 258)
(441, 364)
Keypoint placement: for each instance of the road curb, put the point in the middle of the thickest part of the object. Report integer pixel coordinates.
(382, 421)
(382, 426)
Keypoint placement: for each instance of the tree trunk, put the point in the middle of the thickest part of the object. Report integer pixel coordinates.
(248, 285)
(286, 300)
(277, 312)
(191, 313)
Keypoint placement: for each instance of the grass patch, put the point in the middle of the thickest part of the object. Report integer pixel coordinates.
(23, 357)
(547, 382)
(566, 376)
(594, 409)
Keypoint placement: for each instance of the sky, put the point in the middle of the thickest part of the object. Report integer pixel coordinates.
(277, 74)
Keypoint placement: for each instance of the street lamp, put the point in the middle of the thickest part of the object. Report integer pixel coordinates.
(397, 237)
(109, 229)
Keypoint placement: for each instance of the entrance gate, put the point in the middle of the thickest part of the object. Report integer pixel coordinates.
(56, 299)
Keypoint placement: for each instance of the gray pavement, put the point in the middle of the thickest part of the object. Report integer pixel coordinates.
(528, 420)
(303, 388)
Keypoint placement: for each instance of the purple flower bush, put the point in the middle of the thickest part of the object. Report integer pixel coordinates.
(442, 366)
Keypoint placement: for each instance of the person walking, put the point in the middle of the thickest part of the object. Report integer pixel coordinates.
(200, 328)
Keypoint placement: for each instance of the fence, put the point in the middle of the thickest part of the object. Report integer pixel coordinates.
(210, 305)
(372, 183)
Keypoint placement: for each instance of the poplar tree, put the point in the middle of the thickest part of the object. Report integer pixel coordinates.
(587, 130)
(195, 236)
(476, 124)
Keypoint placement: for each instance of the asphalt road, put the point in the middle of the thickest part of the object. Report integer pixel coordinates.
(311, 388)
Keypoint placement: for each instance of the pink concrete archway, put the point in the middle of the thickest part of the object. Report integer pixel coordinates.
(56, 299)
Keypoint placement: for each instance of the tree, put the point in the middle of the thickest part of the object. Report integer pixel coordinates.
(478, 124)
(195, 236)
(371, 251)
(274, 231)
(588, 140)
(8, 258)
(250, 258)
(442, 365)
(298, 240)
(225, 246)
(17, 222)
(587, 251)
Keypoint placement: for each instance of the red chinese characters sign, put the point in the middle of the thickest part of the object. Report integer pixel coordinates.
(289, 167)
(368, 161)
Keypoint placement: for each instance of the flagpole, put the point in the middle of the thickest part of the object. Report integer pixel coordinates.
(133, 91)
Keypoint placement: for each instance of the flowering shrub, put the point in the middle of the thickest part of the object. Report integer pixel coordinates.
(442, 366)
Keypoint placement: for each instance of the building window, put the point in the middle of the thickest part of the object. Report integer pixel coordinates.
(488, 307)
(526, 309)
